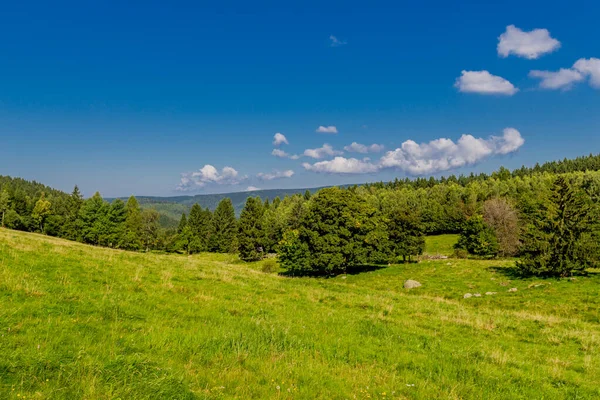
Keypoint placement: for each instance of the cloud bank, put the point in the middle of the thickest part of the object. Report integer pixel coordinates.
(565, 78)
(427, 158)
(209, 175)
(275, 175)
(322, 152)
(361, 148)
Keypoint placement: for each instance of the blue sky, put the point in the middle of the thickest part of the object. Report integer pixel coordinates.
(139, 97)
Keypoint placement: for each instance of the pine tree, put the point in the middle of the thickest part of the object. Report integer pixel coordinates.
(251, 236)
(200, 225)
(554, 244)
(117, 215)
(71, 228)
(132, 237)
(224, 228)
(93, 214)
(182, 224)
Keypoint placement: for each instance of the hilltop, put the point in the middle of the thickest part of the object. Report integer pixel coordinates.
(88, 322)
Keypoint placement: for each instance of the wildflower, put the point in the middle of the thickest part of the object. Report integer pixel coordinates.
(278, 387)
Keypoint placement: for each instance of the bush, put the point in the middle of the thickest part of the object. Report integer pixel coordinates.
(502, 217)
(269, 266)
(478, 238)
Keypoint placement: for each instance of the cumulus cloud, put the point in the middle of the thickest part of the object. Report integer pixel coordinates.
(252, 189)
(275, 175)
(561, 79)
(342, 165)
(335, 42)
(483, 82)
(279, 139)
(209, 175)
(530, 45)
(565, 78)
(361, 148)
(427, 158)
(282, 154)
(322, 152)
(591, 68)
(327, 129)
(443, 154)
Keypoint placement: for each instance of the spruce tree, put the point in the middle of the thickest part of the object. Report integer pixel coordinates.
(251, 236)
(71, 228)
(182, 224)
(224, 228)
(200, 225)
(132, 237)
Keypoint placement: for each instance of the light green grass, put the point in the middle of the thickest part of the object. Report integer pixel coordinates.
(83, 322)
(440, 245)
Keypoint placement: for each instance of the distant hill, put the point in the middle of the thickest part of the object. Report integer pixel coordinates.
(171, 208)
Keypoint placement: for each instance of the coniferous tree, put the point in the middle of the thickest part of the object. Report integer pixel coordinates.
(224, 228)
(478, 238)
(72, 226)
(554, 243)
(117, 215)
(132, 236)
(251, 236)
(182, 223)
(4, 203)
(200, 225)
(92, 215)
(150, 228)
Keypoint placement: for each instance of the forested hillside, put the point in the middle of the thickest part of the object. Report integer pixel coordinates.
(502, 214)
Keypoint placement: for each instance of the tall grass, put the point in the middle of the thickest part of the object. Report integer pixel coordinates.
(84, 322)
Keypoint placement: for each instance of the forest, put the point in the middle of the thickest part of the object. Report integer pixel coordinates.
(547, 216)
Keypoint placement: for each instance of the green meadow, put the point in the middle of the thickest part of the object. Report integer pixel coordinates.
(82, 322)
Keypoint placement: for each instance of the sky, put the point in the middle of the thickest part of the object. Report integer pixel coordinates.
(172, 98)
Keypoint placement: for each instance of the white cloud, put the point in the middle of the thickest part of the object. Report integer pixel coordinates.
(327, 129)
(209, 175)
(335, 42)
(342, 165)
(361, 148)
(275, 175)
(591, 68)
(279, 139)
(561, 79)
(565, 78)
(322, 152)
(483, 82)
(530, 45)
(282, 154)
(443, 154)
(252, 189)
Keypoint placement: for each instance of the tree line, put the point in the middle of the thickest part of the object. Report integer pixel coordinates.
(547, 218)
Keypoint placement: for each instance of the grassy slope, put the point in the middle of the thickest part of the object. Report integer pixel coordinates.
(84, 322)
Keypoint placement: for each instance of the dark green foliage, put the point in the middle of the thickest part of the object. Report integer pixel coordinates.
(559, 241)
(200, 223)
(338, 230)
(478, 238)
(251, 235)
(182, 224)
(132, 232)
(405, 231)
(150, 229)
(223, 235)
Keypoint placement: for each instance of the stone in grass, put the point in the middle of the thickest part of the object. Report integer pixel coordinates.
(410, 284)
(512, 289)
(489, 293)
(477, 295)
(467, 296)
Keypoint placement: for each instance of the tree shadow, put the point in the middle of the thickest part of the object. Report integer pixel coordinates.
(514, 273)
(353, 270)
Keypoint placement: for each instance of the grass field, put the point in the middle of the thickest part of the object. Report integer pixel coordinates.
(84, 322)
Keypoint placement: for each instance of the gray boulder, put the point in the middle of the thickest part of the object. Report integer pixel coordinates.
(512, 289)
(410, 284)
(467, 296)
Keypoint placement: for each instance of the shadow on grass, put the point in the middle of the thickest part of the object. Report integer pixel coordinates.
(354, 270)
(514, 273)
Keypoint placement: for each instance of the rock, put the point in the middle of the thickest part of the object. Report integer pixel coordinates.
(467, 295)
(410, 284)
(489, 293)
(512, 289)
(477, 295)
